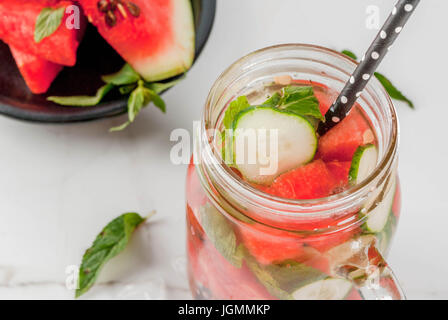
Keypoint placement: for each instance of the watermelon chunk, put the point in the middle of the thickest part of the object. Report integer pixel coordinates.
(17, 25)
(311, 181)
(339, 170)
(157, 40)
(341, 142)
(269, 245)
(38, 73)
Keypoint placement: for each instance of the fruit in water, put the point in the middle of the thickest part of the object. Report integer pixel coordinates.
(295, 143)
(311, 181)
(341, 142)
(156, 37)
(223, 279)
(324, 242)
(17, 26)
(268, 245)
(38, 73)
(339, 170)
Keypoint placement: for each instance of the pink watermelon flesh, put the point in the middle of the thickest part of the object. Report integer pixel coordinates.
(311, 181)
(341, 142)
(37, 73)
(158, 43)
(17, 25)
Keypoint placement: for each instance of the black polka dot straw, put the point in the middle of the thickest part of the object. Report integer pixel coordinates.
(368, 65)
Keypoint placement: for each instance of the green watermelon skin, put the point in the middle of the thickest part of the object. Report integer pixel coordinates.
(38, 73)
(158, 44)
(17, 25)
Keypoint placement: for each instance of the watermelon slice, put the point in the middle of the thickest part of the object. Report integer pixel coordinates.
(156, 37)
(311, 181)
(38, 73)
(17, 25)
(341, 142)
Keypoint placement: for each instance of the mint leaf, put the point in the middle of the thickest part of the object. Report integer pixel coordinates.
(392, 90)
(47, 22)
(157, 100)
(82, 101)
(283, 279)
(110, 242)
(159, 87)
(127, 89)
(137, 100)
(125, 76)
(350, 54)
(301, 101)
(221, 234)
(292, 275)
(266, 278)
(235, 107)
(273, 101)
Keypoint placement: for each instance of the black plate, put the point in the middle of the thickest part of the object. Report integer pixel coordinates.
(18, 102)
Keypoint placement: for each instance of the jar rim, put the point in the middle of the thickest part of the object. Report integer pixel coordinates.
(301, 208)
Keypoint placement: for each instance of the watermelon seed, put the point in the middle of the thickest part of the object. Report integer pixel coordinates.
(111, 19)
(133, 9)
(103, 6)
(122, 10)
(113, 4)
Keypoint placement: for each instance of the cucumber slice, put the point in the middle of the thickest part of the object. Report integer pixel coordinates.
(259, 157)
(327, 289)
(385, 237)
(377, 218)
(363, 163)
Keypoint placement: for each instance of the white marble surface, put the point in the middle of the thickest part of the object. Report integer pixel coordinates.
(61, 183)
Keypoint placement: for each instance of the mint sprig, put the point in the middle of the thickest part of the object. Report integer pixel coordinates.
(47, 22)
(301, 101)
(110, 241)
(139, 98)
(128, 82)
(393, 92)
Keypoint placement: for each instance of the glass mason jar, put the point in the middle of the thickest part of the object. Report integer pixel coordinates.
(245, 244)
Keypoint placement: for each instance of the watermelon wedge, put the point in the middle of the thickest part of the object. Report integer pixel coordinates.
(38, 73)
(17, 26)
(156, 37)
(311, 181)
(341, 142)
